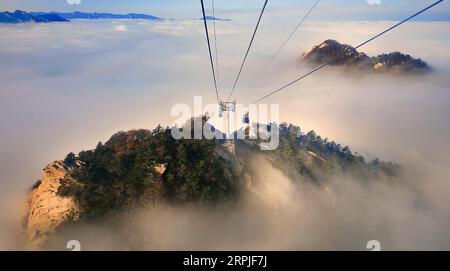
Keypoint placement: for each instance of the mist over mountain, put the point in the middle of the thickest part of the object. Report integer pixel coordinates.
(396, 118)
(345, 55)
(141, 168)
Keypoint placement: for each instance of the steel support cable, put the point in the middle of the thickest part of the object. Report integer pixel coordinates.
(357, 47)
(248, 49)
(210, 52)
(263, 70)
(215, 45)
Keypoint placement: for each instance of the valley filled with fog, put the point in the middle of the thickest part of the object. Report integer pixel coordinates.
(66, 86)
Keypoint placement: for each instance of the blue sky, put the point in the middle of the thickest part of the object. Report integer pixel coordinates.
(330, 9)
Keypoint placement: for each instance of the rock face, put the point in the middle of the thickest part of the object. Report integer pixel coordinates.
(125, 141)
(338, 54)
(47, 210)
(226, 150)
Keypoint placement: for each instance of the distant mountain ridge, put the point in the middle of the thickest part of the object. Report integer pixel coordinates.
(211, 18)
(20, 16)
(24, 17)
(95, 15)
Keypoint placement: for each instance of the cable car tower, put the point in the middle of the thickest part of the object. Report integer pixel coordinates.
(228, 108)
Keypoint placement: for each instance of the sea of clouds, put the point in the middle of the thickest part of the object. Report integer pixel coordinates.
(66, 86)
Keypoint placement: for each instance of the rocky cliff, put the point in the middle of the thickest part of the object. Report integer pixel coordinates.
(46, 209)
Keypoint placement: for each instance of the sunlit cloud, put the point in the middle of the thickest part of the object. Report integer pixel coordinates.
(121, 28)
(64, 87)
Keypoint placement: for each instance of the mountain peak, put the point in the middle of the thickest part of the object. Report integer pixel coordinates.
(140, 168)
(337, 54)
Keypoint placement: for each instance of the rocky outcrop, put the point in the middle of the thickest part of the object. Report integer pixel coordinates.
(125, 141)
(46, 209)
(337, 54)
(226, 150)
(398, 63)
(160, 168)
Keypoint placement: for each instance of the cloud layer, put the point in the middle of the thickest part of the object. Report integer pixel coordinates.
(63, 87)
